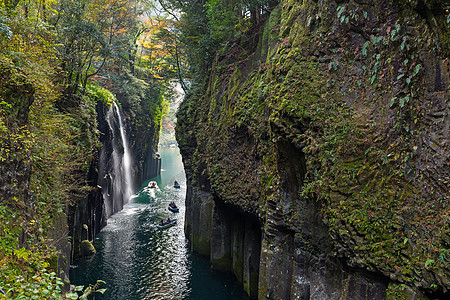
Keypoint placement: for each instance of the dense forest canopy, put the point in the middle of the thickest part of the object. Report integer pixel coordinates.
(58, 59)
(205, 26)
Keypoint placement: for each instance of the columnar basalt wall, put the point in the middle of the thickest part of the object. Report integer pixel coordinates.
(331, 130)
(88, 214)
(200, 206)
(230, 239)
(151, 165)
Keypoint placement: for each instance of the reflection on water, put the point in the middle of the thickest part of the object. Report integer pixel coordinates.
(140, 261)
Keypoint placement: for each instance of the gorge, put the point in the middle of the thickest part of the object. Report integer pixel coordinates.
(314, 136)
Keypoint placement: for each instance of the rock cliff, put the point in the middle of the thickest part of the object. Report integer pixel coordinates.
(317, 153)
(105, 177)
(18, 197)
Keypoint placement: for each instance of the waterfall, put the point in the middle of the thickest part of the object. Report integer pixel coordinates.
(115, 164)
(126, 159)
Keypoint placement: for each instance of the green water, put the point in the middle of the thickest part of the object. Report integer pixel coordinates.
(138, 260)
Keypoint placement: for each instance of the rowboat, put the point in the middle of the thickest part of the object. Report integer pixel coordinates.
(174, 209)
(167, 224)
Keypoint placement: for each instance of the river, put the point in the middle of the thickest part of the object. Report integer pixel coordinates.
(137, 260)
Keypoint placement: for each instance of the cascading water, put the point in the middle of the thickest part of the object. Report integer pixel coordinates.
(126, 159)
(115, 174)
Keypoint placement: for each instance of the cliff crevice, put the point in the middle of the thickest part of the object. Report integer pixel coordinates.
(333, 132)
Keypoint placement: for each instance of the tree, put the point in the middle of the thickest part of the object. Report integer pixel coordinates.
(206, 25)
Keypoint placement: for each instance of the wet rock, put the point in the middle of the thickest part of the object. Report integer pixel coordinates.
(87, 249)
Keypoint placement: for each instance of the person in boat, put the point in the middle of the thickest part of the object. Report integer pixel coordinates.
(172, 204)
(168, 220)
(176, 183)
(161, 222)
(153, 184)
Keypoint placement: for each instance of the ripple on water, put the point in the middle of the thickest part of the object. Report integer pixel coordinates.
(140, 261)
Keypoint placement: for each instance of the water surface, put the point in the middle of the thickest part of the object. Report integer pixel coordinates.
(140, 261)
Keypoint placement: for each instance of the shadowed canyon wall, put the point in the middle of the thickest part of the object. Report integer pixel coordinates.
(317, 153)
(111, 189)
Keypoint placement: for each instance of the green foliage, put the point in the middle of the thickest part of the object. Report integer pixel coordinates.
(42, 285)
(56, 58)
(82, 293)
(332, 99)
(23, 271)
(39, 147)
(395, 291)
(205, 26)
(83, 47)
(100, 94)
(195, 39)
(223, 19)
(5, 31)
(9, 231)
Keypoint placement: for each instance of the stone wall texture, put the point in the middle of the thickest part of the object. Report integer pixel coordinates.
(317, 153)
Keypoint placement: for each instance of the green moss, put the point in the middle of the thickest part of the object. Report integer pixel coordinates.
(246, 286)
(86, 248)
(253, 290)
(403, 292)
(53, 263)
(201, 244)
(100, 94)
(329, 99)
(223, 263)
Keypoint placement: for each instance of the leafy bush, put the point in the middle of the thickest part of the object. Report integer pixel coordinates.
(24, 271)
(100, 94)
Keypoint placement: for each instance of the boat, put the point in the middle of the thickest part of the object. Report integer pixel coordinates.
(167, 224)
(174, 209)
(152, 185)
(176, 185)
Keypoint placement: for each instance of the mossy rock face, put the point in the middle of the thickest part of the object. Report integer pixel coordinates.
(252, 286)
(222, 264)
(204, 246)
(349, 109)
(403, 292)
(87, 249)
